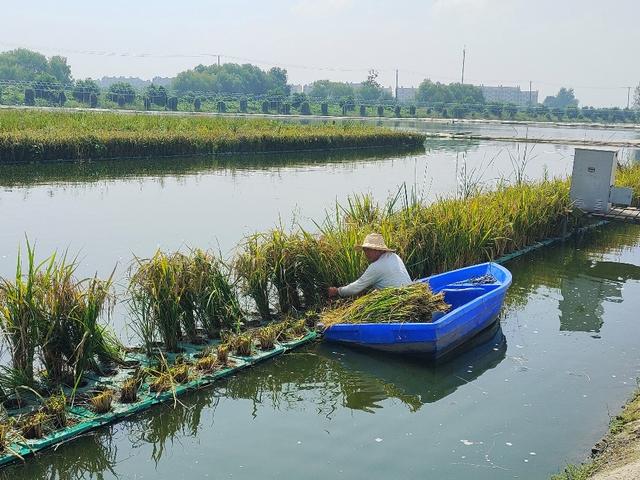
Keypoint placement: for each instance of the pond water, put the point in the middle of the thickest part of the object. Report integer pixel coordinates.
(524, 399)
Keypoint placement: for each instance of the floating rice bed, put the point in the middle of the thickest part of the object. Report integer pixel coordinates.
(82, 416)
(27, 136)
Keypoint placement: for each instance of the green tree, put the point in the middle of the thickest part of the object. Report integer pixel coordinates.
(565, 98)
(83, 89)
(431, 93)
(26, 65)
(59, 68)
(328, 90)
(121, 92)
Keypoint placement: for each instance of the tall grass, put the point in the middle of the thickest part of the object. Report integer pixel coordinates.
(28, 136)
(52, 319)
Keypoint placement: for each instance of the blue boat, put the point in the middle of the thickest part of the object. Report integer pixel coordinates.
(475, 293)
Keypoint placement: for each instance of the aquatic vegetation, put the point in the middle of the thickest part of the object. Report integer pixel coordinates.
(129, 390)
(292, 330)
(207, 363)
(212, 293)
(413, 303)
(251, 268)
(101, 401)
(222, 354)
(33, 425)
(174, 296)
(239, 343)
(47, 314)
(27, 136)
(56, 406)
(155, 293)
(167, 379)
(267, 336)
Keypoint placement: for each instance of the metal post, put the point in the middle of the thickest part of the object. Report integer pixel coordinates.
(396, 85)
(464, 54)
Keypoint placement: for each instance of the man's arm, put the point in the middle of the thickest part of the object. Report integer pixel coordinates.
(368, 278)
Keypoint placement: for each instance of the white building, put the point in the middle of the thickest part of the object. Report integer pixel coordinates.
(407, 94)
(501, 94)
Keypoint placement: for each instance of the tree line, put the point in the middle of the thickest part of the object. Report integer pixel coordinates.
(31, 78)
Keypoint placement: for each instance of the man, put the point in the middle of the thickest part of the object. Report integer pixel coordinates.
(386, 269)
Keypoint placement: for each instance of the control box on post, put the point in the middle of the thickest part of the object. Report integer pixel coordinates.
(594, 173)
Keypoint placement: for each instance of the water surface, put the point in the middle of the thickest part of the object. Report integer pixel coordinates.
(522, 401)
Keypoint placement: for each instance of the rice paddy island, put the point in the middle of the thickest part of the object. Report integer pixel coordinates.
(164, 283)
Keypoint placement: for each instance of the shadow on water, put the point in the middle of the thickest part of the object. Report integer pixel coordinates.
(584, 278)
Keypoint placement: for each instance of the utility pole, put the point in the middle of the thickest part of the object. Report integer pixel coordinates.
(628, 96)
(464, 55)
(396, 85)
(218, 60)
(529, 92)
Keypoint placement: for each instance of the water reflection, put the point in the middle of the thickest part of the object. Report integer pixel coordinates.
(585, 279)
(91, 456)
(94, 171)
(340, 377)
(163, 429)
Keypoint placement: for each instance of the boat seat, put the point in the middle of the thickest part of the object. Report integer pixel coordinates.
(457, 297)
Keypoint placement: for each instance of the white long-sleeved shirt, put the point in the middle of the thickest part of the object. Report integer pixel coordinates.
(387, 271)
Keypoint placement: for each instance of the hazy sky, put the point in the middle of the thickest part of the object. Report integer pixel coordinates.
(591, 45)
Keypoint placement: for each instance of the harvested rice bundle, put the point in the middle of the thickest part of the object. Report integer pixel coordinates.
(413, 303)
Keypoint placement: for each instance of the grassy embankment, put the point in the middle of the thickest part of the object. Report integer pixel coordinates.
(617, 456)
(27, 136)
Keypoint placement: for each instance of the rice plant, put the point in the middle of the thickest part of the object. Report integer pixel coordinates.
(267, 336)
(413, 303)
(101, 401)
(46, 313)
(252, 269)
(34, 425)
(222, 354)
(55, 406)
(27, 136)
(213, 294)
(155, 294)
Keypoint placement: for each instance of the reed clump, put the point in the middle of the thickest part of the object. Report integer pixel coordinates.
(415, 303)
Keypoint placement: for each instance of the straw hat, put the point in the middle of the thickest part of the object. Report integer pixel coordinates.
(374, 241)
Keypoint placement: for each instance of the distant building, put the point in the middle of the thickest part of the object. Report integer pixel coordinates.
(407, 94)
(296, 88)
(513, 95)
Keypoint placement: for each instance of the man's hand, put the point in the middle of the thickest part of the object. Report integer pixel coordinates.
(333, 292)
